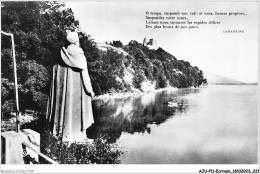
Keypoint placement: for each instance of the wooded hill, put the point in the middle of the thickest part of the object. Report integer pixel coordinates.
(39, 33)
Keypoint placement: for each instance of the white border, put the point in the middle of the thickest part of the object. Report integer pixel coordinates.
(120, 168)
(141, 168)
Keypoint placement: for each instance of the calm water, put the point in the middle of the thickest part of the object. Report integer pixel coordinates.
(217, 124)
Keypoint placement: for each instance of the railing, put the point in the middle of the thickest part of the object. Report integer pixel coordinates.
(15, 83)
(27, 157)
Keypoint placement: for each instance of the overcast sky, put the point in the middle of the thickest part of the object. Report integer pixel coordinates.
(230, 55)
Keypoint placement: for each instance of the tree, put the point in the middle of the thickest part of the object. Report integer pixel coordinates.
(117, 44)
(138, 79)
(161, 81)
(39, 33)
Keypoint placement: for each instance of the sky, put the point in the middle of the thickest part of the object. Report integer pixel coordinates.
(228, 54)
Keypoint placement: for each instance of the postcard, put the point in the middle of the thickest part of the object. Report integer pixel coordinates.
(129, 86)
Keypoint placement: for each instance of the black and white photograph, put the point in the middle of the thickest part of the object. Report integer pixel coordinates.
(146, 83)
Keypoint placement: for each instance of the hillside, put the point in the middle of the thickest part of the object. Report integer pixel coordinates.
(216, 79)
(135, 67)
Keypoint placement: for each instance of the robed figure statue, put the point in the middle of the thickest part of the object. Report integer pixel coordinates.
(69, 111)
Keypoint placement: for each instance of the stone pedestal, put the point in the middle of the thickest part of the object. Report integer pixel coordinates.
(12, 149)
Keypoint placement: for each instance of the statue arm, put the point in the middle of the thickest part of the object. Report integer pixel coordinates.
(86, 81)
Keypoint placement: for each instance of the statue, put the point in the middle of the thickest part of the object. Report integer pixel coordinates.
(69, 111)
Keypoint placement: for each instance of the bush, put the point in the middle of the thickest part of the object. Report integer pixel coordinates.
(138, 79)
(161, 81)
(7, 107)
(98, 152)
(117, 44)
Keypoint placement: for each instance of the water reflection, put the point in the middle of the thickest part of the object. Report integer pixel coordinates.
(112, 117)
(219, 126)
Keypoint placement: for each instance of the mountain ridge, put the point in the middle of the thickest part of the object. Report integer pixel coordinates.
(216, 79)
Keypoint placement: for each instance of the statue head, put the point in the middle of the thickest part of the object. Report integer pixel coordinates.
(72, 37)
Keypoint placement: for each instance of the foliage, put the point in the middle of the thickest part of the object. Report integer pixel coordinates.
(138, 79)
(7, 107)
(117, 44)
(98, 152)
(39, 33)
(7, 96)
(161, 81)
(163, 67)
(104, 67)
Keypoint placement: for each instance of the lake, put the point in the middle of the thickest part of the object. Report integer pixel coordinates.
(213, 125)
